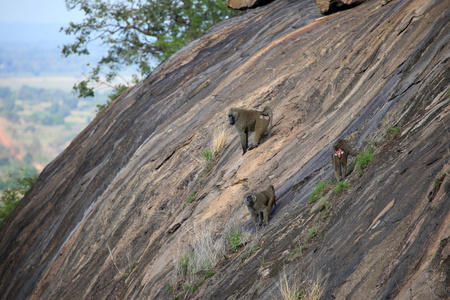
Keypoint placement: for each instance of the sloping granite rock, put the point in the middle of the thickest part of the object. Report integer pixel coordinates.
(100, 221)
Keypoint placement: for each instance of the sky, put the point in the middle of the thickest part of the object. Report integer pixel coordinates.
(36, 21)
(37, 11)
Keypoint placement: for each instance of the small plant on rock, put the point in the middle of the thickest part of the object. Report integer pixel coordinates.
(392, 132)
(192, 197)
(340, 186)
(363, 159)
(235, 240)
(317, 193)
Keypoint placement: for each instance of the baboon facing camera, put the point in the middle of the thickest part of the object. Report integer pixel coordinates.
(339, 154)
(260, 204)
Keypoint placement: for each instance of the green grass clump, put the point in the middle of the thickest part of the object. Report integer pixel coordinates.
(169, 289)
(298, 250)
(183, 265)
(253, 248)
(317, 193)
(340, 186)
(363, 159)
(312, 233)
(208, 274)
(326, 210)
(208, 156)
(393, 131)
(192, 197)
(235, 240)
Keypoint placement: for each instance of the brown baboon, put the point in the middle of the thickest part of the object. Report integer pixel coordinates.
(260, 205)
(339, 153)
(250, 120)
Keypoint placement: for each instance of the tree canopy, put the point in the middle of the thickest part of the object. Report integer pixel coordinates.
(136, 33)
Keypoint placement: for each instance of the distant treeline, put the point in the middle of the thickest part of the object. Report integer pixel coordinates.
(19, 59)
(38, 123)
(59, 105)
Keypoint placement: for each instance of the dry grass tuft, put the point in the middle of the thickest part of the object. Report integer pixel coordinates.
(220, 139)
(291, 289)
(206, 251)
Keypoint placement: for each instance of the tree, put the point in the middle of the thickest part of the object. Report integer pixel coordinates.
(15, 189)
(136, 33)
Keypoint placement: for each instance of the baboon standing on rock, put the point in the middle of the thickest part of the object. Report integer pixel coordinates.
(250, 120)
(260, 205)
(339, 153)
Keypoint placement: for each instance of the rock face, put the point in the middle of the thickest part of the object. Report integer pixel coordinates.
(109, 218)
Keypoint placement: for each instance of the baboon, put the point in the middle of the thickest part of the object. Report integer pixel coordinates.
(260, 205)
(250, 120)
(339, 153)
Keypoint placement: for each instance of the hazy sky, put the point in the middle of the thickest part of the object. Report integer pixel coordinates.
(37, 11)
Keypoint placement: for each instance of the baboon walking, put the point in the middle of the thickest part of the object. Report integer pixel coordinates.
(339, 153)
(248, 121)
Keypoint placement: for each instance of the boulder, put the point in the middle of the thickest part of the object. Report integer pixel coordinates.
(329, 6)
(244, 4)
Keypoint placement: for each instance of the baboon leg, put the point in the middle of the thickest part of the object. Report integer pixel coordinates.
(337, 170)
(244, 141)
(266, 216)
(344, 169)
(260, 218)
(270, 205)
(256, 138)
(255, 220)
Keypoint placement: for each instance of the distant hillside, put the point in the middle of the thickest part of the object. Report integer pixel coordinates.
(37, 124)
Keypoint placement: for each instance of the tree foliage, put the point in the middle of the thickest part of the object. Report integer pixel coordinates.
(136, 33)
(17, 186)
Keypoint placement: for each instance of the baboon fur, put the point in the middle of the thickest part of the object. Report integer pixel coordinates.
(247, 121)
(260, 204)
(339, 153)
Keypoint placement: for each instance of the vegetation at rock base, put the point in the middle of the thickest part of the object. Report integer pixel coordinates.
(16, 187)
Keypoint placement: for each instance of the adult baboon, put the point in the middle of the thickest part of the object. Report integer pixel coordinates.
(260, 205)
(339, 153)
(250, 120)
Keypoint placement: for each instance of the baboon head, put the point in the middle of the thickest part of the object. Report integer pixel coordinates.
(249, 199)
(232, 115)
